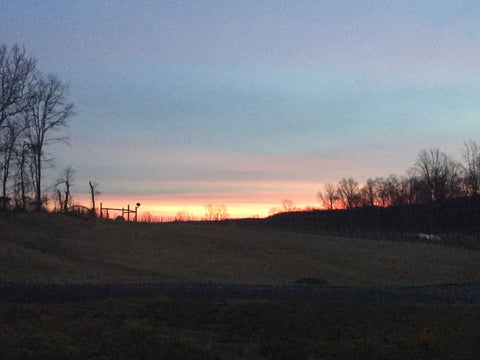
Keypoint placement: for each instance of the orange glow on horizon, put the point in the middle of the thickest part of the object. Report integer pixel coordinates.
(166, 207)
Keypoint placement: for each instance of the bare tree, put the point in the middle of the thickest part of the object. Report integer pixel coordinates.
(22, 182)
(16, 74)
(16, 71)
(67, 181)
(288, 205)
(438, 175)
(471, 156)
(328, 197)
(272, 211)
(216, 212)
(47, 113)
(397, 190)
(348, 193)
(222, 212)
(93, 191)
(382, 191)
(184, 215)
(8, 139)
(368, 193)
(147, 217)
(209, 212)
(32, 105)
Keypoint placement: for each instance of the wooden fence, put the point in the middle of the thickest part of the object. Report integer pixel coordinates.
(122, 210)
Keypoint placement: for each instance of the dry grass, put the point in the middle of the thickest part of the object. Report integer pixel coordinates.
(163, 329)
(54, 248)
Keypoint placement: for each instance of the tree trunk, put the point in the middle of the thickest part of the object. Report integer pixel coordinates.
(38, 177)
(67, 196)
(92, 190)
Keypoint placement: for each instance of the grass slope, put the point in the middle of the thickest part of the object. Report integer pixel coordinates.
(54, 248)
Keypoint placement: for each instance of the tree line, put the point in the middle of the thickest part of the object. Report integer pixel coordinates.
(33, 107)
(439, 195)
(434, 177)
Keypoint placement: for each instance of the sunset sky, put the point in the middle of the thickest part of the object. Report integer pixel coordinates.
(244, 103)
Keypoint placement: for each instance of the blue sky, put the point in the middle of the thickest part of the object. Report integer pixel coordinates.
(250, 102)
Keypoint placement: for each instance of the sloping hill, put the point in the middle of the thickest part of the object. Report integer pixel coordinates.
(53, 248)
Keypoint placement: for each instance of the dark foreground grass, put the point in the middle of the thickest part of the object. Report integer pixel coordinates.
(165, 329)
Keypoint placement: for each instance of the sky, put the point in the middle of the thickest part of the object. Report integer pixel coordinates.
(180, 104)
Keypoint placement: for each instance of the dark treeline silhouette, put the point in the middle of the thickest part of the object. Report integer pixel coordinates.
(459, 215)
(434, 177)
(439, 196)
(32, 108)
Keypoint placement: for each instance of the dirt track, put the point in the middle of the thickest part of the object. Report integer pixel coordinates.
(14, 292)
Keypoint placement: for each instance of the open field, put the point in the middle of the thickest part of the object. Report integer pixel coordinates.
(54, 248)
(164, 329)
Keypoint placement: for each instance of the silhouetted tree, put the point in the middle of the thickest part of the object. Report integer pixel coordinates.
(328, 197)
(216, 212)
(8, 141)
(16, 75)
(398, 190)
(288, 205)
(16, 71)
(47, 112)
(437, 175)
(222, 212)
(147, 217)
(184, 215)
(382, 192)
(368, 193)
(348, 193)
(93, 192)
(67, 181)
(22, 183)
(32, 107)
(471, 155)
(273, 211)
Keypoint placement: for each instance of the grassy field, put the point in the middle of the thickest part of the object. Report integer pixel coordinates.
(163, 329)
(52, 248)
